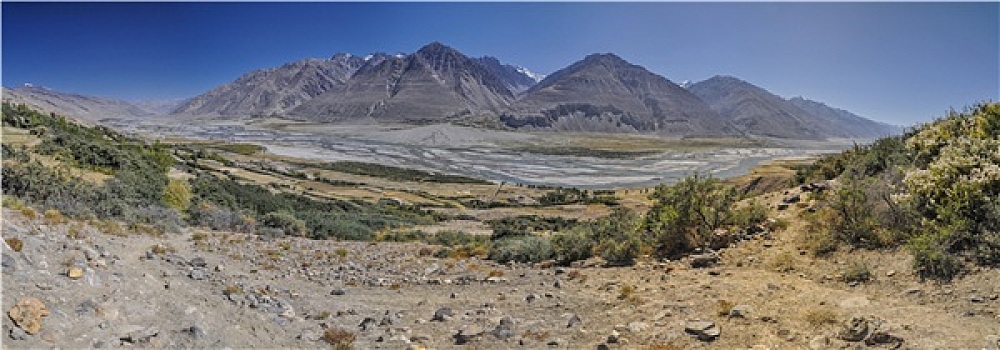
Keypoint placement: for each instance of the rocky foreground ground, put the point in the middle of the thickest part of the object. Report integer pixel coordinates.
(72, 285)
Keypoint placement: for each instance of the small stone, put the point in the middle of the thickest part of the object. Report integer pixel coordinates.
(531, 297)
(198, 262)
(28, 313)
(197, 274)
(505, 330)
(338, 292)
(890, 273)
(603, 346)
(704, 260)
(442, 314)
(977, 299)
(16, 333)
(636, 327)
(366, 323)
(992, 342)
(855, 330)
(740, 311)
(704, 330)
(196, 332)
(613, 338)
(9, 264)
(574, 320)
(74, 272)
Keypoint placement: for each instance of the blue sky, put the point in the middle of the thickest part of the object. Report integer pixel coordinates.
(896, 62)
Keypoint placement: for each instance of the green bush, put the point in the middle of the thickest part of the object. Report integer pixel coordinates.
(285, 222)
(574, 244)
(685, 214)
(525, 249)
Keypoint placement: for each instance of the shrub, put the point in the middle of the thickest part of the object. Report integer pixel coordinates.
(685, 215)
(857, 271)
(574, 244)
(821, 316)
(177, 194)
(931, 258)
(53, 217)
(285, 222)
(339, 338)
(619, 252)
(15, 244)
(527, 249)
(784, 262)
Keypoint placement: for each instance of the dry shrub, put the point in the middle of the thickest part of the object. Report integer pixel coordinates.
(53, 217)
(425, 251)
(724, 307)
(15, 243)
(821, 316)
(495, 273)
(339, 338)
(784, 262)
(29, 212)
(538, 336)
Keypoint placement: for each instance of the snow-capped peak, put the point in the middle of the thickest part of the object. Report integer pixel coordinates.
(685, 84)
(369, 58)
(534, 76)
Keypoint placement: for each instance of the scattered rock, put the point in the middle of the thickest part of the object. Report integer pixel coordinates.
(366, 323)
(704, 330)
(574, 320)
(442, 314)
(636, 327)
(531, 297)
(977, 299)
(855, 330)
(197, 274)
(74, 272)
(795, 198)
(198, 262)
(9, 264)
(613, 337)
(505, 330)
(16, 333)
(28, 313)
(740, 311)
(704, 260)
(992, 342)
(197, 332)
(338, 292)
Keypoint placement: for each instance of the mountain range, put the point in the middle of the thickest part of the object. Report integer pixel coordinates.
(599, 93)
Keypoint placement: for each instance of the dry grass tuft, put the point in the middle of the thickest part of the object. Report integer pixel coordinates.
(339, 338)
(821, 316)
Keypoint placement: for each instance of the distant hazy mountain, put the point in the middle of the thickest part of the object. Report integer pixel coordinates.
(603, 92)
(758, 111)
(275, 90)
(159, 107)
(851, 124)
(70, 104)
(433, 84)
(516, 79)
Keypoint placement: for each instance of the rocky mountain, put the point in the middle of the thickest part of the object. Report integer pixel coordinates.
(275, 90)
(852, 124)
(759, 112)
(435, 83)
(70, 104)
(603, 92)
(516, 79)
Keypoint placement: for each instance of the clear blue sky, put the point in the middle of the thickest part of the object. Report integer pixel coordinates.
(896, 62)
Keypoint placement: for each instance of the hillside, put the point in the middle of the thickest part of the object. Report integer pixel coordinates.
(75, 105)
(182, 245)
